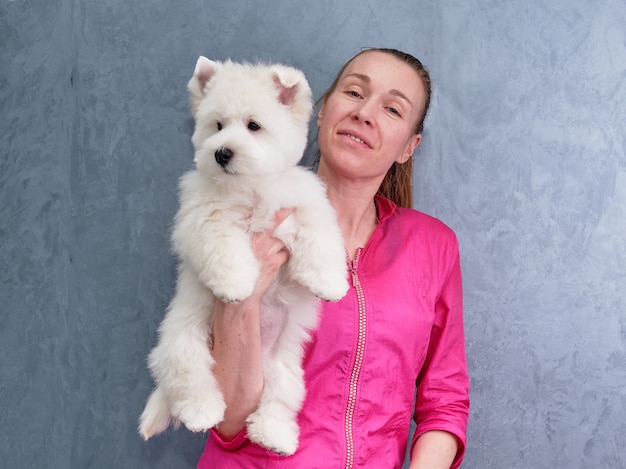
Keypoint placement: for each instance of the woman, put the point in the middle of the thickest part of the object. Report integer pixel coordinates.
(400, 323)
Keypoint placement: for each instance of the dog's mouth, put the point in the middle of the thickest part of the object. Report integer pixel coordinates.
(229, 169)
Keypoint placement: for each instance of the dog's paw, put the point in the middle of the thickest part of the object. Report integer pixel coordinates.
(279, 436)
(330, 287)
(233, 293)
(235, 284)
(199, 415)
(326, 279)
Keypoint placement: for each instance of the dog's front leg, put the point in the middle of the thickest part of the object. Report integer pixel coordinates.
(219, 251)
(318, 259)
(230, 269)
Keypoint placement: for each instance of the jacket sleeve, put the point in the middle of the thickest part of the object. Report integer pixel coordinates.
(442, 399)
(230, 445)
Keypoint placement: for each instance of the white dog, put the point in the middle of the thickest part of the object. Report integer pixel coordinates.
(251, 124)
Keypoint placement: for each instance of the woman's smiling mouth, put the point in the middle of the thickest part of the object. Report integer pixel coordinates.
(355, 138)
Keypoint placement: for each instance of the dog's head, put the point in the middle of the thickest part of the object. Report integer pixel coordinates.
(249, 119)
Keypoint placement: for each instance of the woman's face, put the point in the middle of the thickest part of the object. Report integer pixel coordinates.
(368, 122)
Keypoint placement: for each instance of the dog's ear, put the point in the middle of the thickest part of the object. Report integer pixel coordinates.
(203, 72)
(293, 90)
(286, 94)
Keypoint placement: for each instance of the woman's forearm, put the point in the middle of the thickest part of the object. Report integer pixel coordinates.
(434, 450)
(237, 336)
(238, 368)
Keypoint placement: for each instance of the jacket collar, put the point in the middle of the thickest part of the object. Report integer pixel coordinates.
(384, 207)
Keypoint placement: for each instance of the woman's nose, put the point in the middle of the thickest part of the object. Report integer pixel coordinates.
(364, 113)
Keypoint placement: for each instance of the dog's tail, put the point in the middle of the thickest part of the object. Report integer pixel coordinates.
(156, 416)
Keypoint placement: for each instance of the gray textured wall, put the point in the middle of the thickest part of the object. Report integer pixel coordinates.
(526, 159)
(523, 157)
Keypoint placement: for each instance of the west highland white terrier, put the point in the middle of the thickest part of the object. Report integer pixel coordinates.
(251, 125)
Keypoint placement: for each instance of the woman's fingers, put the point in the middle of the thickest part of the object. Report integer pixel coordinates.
(280, 216)
(264, 243)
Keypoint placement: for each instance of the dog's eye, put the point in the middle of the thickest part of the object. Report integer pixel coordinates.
(219, 126)
(253, 126)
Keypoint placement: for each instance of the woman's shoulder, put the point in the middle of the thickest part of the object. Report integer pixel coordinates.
(415, 217)
(413, 221)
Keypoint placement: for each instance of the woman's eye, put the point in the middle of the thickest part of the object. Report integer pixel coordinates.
(253, 126)
(354, 94)
(219, 126)
(393, 110)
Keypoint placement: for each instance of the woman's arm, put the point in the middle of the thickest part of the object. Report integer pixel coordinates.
(237, 369)
(434, 450)
(442, 400)
(237, 337)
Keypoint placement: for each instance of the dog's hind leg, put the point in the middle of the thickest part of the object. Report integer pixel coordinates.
(274, 424)
(181, 363)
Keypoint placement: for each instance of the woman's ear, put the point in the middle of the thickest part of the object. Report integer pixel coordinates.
(320, 113)
(411, 145)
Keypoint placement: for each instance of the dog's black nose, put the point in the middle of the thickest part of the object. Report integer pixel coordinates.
(223, 156)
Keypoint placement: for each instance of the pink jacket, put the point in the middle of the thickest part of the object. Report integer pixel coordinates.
(401, 323)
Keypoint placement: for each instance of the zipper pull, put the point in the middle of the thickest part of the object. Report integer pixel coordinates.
(353, 265)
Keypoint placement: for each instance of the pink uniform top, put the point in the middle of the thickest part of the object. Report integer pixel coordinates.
(401, 323)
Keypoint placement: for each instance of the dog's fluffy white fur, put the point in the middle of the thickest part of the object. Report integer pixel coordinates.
(251, 124)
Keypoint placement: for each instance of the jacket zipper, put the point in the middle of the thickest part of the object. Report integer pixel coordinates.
(358, 361)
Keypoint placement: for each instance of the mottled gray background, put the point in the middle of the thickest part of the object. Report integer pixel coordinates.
(523, 156)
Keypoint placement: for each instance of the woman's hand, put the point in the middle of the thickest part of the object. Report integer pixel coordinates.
(271, 254)
(237, 336)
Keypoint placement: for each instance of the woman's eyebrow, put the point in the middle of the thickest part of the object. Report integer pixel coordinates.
(366, 79)
(400, 95)
(360, 76)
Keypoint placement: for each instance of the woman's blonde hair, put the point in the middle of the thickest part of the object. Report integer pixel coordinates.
(398, 182)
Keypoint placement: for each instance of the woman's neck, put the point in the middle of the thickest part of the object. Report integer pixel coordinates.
(356, 211)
